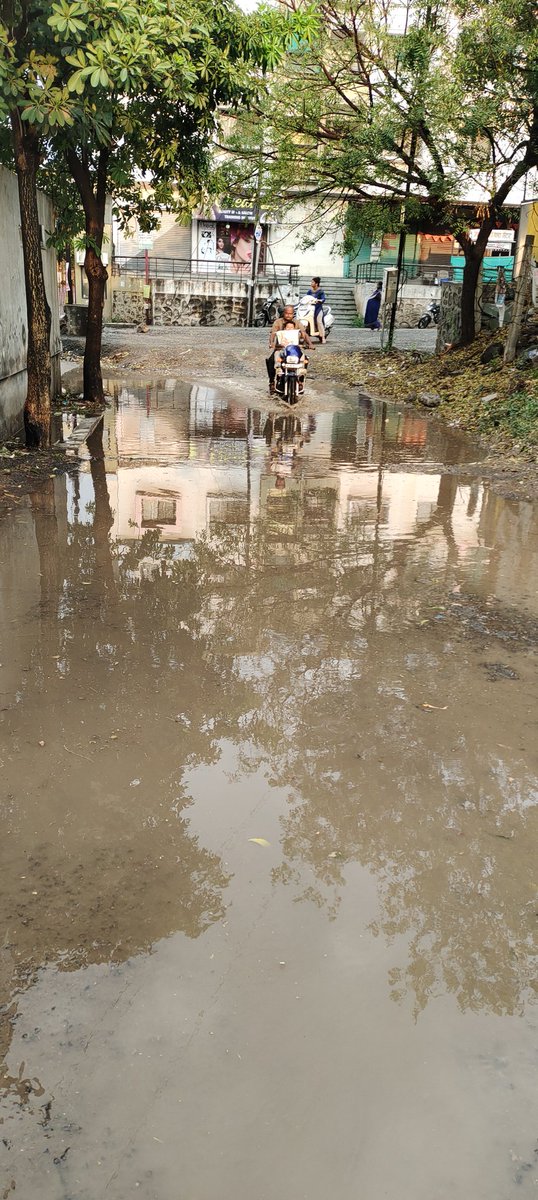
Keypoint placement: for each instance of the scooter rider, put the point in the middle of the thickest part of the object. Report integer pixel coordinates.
(288, 316)
(316, 291)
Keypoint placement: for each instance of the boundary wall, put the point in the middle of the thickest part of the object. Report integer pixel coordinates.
(13, 322)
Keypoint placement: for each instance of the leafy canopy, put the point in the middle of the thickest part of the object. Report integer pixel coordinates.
(137, 85)
(405, 109)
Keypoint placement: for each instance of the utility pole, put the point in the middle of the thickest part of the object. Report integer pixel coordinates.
(255, 258)
(401, 243)
(410, 169)
(522, 293)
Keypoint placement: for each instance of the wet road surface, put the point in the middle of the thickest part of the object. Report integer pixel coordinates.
(269, 809)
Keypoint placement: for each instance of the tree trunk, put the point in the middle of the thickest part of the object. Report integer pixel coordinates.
(97, 276)
(474, 255)
(471, 274)
(92, 191)
(37, 408)
(103, 519)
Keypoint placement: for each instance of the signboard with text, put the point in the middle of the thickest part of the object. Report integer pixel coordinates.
(235, 214)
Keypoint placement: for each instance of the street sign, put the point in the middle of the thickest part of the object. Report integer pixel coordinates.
(258, 232)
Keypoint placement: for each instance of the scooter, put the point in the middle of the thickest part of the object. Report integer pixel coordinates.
(304, 312)
(432, 314)
(268, 312)
(290, 376)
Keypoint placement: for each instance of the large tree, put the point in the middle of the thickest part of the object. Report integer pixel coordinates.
(403, 112)
(111, 92)
(24, 150)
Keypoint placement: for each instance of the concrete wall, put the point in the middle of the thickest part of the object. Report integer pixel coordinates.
(449, 328)
(528, 226)
(189, 301)
(13, 323)
(285, 244)
(414, 301)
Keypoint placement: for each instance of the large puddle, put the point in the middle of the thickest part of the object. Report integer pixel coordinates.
(269, 809)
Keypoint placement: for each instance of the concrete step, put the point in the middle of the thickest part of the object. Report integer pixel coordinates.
(340, 296)
(78, 437)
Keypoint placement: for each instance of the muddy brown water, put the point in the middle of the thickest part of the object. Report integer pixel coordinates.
(269, 810)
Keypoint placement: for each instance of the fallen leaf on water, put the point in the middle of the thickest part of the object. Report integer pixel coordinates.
(436, 707)
(260, 841)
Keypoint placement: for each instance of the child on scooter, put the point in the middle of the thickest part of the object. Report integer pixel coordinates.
(287, 340)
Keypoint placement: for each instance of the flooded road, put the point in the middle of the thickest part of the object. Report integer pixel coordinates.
(269, 808)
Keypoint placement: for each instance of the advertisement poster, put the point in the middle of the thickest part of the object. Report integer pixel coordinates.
(228, 246)
(206, 246)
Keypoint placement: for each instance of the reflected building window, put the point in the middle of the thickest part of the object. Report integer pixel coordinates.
(154, 510)
(226, 510)
(365, 512)
(157, 512)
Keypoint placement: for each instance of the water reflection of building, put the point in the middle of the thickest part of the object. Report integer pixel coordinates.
(185, 461)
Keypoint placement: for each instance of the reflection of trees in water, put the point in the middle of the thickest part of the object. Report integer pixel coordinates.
(455, 888)
(282, 634)
(318, 649)
(95, 869)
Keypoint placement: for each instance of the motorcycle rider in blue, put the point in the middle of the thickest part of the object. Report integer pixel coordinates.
(320, 298)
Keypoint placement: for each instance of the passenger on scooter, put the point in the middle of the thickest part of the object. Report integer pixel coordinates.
(319, 295)
(288, 345)
(286, 318)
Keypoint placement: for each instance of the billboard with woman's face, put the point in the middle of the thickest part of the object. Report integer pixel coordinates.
(242, 239)
(228, 245)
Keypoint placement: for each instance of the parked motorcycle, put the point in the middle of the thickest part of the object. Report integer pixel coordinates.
(269, 311)
(290, 376)
(304, 312)
(432, 314)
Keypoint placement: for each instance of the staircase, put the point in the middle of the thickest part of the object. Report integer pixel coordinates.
(340, 296)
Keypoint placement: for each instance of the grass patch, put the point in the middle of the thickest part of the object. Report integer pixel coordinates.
(515, 414)
(509, 419)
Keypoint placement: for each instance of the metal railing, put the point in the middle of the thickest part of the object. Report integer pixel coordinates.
(426, 273)
(152, 267)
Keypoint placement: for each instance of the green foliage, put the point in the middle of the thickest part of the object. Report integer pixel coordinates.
(400, 119)
(516, 414)
(132, 89)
